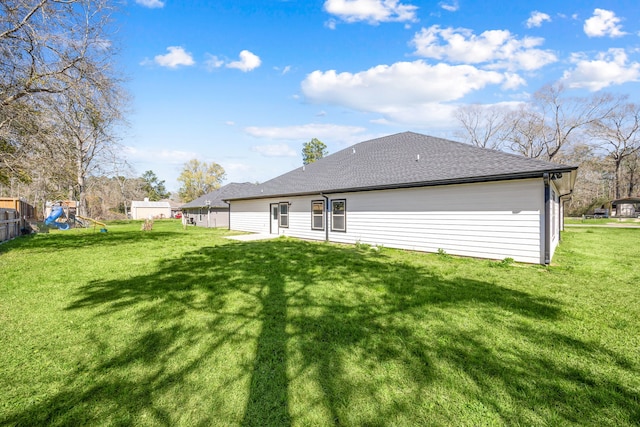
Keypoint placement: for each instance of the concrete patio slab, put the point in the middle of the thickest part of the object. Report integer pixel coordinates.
(252, 237)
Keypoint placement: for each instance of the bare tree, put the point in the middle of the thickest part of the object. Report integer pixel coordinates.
(563, 117)
(632, 166)
(47, 48)
(483, 126)
(619, 134)
(525, 132)
(87, 116)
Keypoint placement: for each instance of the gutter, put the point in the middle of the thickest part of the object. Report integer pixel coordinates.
(453, 181)
(228, 214)
(547, 213)
(561, 217)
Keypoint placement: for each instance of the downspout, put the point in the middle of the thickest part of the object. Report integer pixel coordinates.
(547, 214)
(326, 217)
(229, 214)
(561, 217)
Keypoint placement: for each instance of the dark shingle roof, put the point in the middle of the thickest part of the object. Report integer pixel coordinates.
(218, 196)
(401, 160)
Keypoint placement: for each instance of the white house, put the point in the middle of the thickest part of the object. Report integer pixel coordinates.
(416, 192)
(146, 209)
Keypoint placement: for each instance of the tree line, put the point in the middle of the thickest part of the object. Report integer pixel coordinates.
(598, 133)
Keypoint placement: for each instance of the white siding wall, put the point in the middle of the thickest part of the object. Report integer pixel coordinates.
(485, 220)
(250, 215)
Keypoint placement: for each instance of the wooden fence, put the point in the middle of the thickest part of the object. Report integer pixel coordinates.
(10, 224)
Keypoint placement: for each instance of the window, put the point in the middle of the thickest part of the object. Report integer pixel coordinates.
(284, 215)
(338, 215)
(317, 215)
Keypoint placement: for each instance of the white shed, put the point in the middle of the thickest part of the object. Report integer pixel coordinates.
(146, 209)
(416, 192)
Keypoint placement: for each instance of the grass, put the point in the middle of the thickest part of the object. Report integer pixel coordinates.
(601, 221)
(184, 327)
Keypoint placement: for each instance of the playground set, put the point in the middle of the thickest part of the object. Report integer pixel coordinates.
(63, 216)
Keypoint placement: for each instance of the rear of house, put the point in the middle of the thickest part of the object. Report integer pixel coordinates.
(461, 199)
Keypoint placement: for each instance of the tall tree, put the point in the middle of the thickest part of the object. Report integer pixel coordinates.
(87, 116)
(313, 150)
(154, 187)
(619, 134)
(632, 166)
(525, 134)
(47, 48)
(482, 126)
(199, 178)
(563, 117)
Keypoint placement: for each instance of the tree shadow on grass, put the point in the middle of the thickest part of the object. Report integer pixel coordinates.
(288, 332)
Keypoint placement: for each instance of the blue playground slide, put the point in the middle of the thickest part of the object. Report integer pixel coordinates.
(56, 212)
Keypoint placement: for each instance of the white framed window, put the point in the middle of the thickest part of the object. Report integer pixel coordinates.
(339, 215)
(317, 214)
(284, 215)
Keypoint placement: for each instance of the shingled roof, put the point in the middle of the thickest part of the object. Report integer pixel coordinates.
(217, 197)
(405, 160)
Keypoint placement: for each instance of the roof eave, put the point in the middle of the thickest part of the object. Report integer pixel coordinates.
(468, 180)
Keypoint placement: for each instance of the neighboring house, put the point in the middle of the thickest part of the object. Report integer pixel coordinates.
(150, 210)
(211, 210)
(626, 208)
(416, 192)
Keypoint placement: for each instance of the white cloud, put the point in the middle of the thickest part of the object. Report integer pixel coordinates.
(401, 83)
(212, 62)
(151, 3)
(284, 70)
(306, 132)
(537, 18)
(371, 11)
(176, 57)
(275, 150)
(603, 23)
(608, 68)
(407, 93)
(513, 81)
(451, 6)
(248, 61)
(331, 24)
(160, 156)
(498, 49)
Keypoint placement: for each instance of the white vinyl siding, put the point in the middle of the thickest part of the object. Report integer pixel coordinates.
(485, 220)
(250, 215)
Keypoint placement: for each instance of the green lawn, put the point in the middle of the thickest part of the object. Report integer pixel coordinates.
(183, 327)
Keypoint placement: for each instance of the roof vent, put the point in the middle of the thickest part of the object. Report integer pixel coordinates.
(417, 157)
(303, 168)
(354, 150)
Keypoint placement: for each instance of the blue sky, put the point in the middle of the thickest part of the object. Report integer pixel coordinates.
(246, 83)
